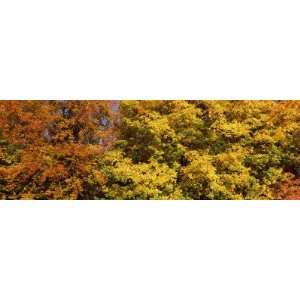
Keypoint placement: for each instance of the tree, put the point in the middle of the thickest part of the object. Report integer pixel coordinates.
(179, 149)
(49, 148)
(215, 149)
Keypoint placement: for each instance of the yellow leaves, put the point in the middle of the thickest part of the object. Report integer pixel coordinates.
(200, 166)
(163, 150)
(230, 162)
(144, 180)
(232, 130)
(216, 177)
(199, 178)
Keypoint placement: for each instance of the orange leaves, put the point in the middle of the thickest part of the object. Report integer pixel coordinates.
(165, 149)
(55, 173)
(19, 178)
(33, 122)
(49, 149)
(23, 122)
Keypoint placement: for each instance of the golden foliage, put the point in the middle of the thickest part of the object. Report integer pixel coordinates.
(179, 149)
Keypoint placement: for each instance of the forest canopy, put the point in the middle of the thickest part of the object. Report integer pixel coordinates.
(181, 149)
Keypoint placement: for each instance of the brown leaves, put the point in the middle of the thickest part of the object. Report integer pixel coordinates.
(289, 189)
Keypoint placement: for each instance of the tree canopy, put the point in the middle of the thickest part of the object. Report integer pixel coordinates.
(181, 149)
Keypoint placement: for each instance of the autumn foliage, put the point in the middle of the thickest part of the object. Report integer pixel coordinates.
(179, 149)
(49, 149)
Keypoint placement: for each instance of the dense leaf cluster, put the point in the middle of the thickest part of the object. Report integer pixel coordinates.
(150, 149)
